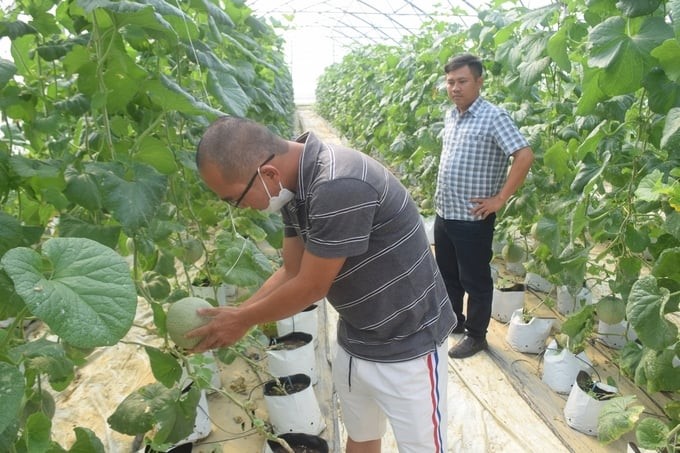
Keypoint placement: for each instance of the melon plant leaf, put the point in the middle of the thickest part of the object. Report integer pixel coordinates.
(635, 239)
(136, 413)
(39, 173)
(171, 97)
(155, 406)
(579, 220)
(548, 231)
(531, 72)
(556, 159)
(70, 226)
(129, 13)
(644, 311)
(607, 40)
(579, 327)
(226, 89)
(10, 303)
(617, 417)
(157, 154)
(248, 228)
(218, 15)
(666, 269)
(674, 11)
(239, 262)
(668, 55)
(180, 23)
(201, 371)
(36, 432)
(54, 51)
(573, 261)
(22, 51)
(15, 29)
(591, 142)
(652, 433)
(8, 437)
(166, 9)
(627, 273)
(661, 375)
(164, 366)
(7, 71)
(11, 393)
(273, 226)
(133, 196)
(4, 174)
(635, 8)
(46, 357)
(11, 234)
(592, 93)
(672, 224)
(663, 93)
(588, 170)
(625, 58)
(86, 442)
(650, 186)
(557, 47)
(177, 421)
(671, 130)
(630, 357)
(81, 289)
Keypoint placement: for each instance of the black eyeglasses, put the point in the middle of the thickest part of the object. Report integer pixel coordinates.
(249, 185)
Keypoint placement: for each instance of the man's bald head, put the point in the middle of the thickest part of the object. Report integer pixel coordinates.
(237, 146)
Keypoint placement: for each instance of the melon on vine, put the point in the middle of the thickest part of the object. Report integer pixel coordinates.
(182, 318)
(611, 310)
(512, 253)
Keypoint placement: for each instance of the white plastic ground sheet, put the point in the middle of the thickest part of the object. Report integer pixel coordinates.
(486, 414)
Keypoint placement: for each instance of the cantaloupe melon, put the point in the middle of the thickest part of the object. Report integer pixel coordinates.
(512, 253)
(182, 318)
(611, 310)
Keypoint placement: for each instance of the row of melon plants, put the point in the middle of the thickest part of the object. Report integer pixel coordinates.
(595, 87)
(102, 104)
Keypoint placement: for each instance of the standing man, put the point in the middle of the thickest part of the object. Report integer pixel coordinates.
(473, 183)
(353, 235)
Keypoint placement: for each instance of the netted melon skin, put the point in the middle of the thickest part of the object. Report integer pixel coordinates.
(182, 318)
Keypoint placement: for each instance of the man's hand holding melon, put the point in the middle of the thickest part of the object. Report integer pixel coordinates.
(189, 325)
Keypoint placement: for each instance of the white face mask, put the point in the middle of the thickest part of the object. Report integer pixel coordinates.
(279, 201)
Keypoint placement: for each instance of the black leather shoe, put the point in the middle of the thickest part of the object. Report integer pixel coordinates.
(460, 328)
(468, 347)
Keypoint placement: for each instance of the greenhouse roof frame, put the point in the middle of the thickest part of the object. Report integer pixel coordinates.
(361, 22)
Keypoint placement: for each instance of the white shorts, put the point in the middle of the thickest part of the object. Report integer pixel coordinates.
(411, 395)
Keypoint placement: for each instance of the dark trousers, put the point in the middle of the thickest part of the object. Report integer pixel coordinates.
(463, 252)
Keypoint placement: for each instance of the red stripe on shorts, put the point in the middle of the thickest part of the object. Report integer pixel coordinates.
(432, 361)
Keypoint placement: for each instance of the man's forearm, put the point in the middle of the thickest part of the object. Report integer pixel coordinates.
(521, 164)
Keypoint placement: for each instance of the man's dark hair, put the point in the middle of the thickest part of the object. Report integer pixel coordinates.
(466, 59)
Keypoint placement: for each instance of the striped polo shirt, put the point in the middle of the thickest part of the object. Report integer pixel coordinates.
(389, 295)
(475, 156)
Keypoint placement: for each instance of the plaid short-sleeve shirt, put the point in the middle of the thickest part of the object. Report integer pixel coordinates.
(475, 156)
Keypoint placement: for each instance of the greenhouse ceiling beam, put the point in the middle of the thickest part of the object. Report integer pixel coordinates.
(366, 27)
(364, 34)
(353, 39)
(418, 9)
(325, 12)
(387, 16)
(372, 26)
